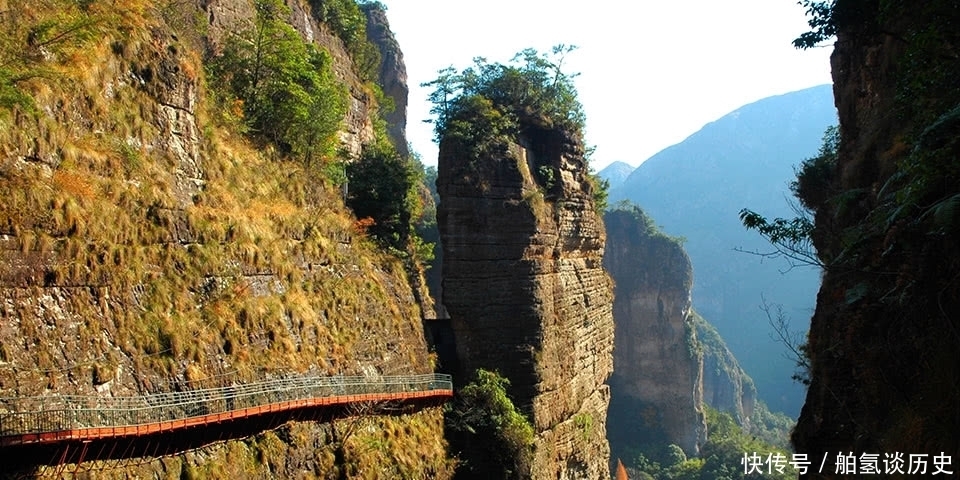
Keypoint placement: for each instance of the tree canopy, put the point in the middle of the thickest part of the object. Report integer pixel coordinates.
(286, 87)
(825, 18)
(383, 188)
(532, 86)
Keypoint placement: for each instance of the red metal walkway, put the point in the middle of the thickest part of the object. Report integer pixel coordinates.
(47, 428)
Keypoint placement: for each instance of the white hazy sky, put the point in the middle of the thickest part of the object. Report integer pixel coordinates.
(651, 72)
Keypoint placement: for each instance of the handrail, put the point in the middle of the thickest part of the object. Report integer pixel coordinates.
(34, 415)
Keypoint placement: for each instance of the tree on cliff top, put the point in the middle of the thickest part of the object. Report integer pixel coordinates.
(490, 100)
(532, 87)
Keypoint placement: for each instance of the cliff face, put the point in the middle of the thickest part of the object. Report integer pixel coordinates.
(883, 339)
(696, 188)
(392, 75)
(525, 289)
(656, 385)
(147, 247)
(668, 361)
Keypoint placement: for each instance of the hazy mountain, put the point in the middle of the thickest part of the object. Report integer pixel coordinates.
(616, 173)
(696, 189)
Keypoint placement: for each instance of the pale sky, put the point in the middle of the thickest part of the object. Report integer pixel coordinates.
(651, 72)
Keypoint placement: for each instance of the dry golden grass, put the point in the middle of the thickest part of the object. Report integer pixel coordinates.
(108, 209)
(261, 271)
(272, 454)
(384, 442)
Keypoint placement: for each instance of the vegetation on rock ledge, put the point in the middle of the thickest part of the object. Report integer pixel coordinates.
(484, 104)
(533, 88)
(284, 87)
(494, 438)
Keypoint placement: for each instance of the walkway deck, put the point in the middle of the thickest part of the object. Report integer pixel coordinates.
(65, 419)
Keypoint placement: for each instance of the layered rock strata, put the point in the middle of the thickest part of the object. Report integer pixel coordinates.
(525, 289)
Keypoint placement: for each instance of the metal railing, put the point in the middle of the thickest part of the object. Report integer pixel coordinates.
(29, 415)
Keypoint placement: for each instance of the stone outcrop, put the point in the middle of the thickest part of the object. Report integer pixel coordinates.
(525, 289)
(726, 387)
(883, 340)
(656, 389)
(392, 76)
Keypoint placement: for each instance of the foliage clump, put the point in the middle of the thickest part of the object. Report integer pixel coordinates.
(826, 18)
(283, 87)
(348, 20)
(477, 108)
(647, 227)
(721, 457)
(383, 187)
(813, 186)
(533, 87)
(495, 440)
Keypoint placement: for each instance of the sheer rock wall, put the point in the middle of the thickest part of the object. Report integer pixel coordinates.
(525, 289)
(167, 289)
(392, 76)
(658, 368)
(884, 337)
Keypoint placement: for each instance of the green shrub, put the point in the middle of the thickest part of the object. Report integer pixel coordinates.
(382, 187)
(600, 189)
(721, 456)
(532, 87)
(815, 175)
(285, 86)
(495, 440)
(584, 423)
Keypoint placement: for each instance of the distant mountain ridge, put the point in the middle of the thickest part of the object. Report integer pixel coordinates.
(695, 189)
(616, 173)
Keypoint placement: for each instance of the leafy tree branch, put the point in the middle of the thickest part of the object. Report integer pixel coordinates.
(789, 237)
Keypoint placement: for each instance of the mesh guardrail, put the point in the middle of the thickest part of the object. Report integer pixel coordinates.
(27, 415)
